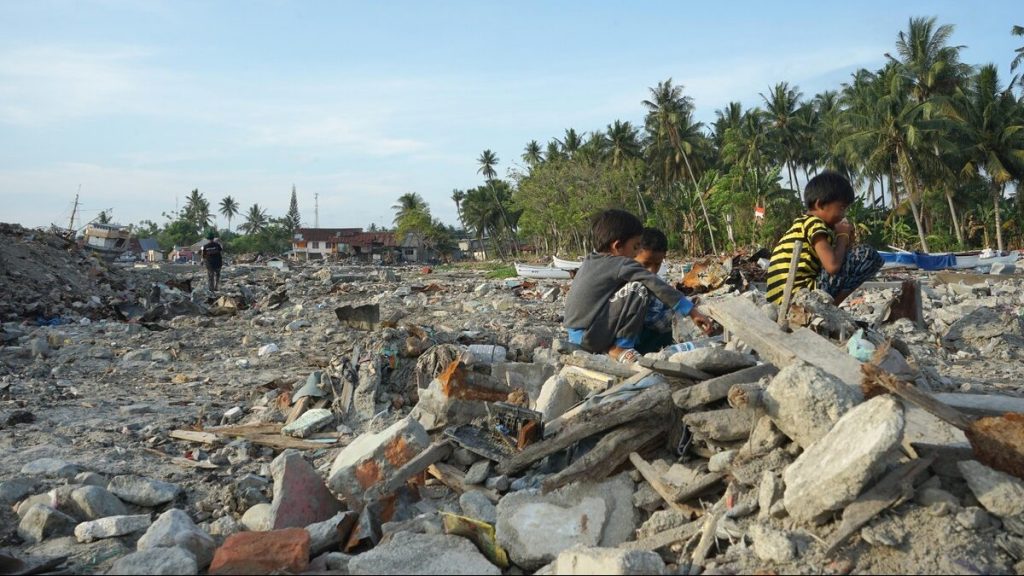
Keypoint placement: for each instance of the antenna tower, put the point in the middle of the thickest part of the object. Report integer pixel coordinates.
(316, 210)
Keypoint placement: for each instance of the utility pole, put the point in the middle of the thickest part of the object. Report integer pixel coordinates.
(316, 210)
(71, 224)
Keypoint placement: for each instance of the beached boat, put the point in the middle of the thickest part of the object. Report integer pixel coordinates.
(541, 272)
(947, 260)
(566, 264)
(107, 240)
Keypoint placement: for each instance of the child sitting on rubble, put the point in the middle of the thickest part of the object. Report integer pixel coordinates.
(827, 261)
(607, 303)
(657, 331)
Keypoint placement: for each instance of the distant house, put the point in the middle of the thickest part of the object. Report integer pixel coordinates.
(319, 243)
(474, 248)
(374, 246)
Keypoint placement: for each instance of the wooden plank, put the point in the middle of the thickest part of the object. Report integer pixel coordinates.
(654, 479)
(455, 479)
(420, 462)
(787, 290)
(908, 392)
(599, 363)
(554, 426)
(897, 485)
(717, 388)
(982, 404)
(610, 451)
(652, 402)
(666, 538)
(194, 436)
(203, 464)
(701, 486)
(674, 369)
(243, 429)
(301, 405)
(746, 321)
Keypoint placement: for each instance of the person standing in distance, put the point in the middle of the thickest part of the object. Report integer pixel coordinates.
(212, 259)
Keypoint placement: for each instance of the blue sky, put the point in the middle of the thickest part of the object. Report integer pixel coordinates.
(139, 102)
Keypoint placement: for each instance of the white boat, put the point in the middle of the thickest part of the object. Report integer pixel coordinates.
(107, 240)
(541, 272)
(968, 261)
(566, 264)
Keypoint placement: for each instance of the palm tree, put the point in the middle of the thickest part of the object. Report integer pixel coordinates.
(993, 126)
(481, 214)
(1017, 31)
(488, 160)
(783, 103)
(571, 143)
(458, 196)
(407, 204)
(255, 220)
(197, 210)
(726, 118)
(670, 119)
(229, 208)
(532, 154)
(623, 142)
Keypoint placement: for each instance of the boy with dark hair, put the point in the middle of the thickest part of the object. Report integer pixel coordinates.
(607, 303)
(212, 259)
(827, 260)
(657, 331)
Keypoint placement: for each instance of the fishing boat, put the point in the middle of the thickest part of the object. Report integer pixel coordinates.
(566, 264)
(107, 240)
(541, 272)
(947, 260)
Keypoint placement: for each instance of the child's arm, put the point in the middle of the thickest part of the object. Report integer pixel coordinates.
(832, 257)
(633, 271)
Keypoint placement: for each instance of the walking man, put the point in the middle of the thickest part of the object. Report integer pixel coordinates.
(212, 251)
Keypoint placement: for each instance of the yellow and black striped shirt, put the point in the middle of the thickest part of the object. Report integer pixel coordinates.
(804, 228)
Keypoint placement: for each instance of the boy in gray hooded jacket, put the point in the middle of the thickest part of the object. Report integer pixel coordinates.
(606, 305)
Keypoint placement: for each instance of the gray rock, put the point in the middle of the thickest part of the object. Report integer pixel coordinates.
(91, 479)
(535, 528)
(410, 553)
(928, 496)
(973, 518)
(772, 545)
(338, 561)
(224, 526)
(143, 491)
(584, 561)
(16, 488)
(26, 504)
(175, 529)
(257, 518)
(768, 493)
(110, 527)
(324, 535)
(499, 483)
(475, 505)
(660, 521)
(721, 461)
(833, 471)
(93, 502)
(478, 472)
(556, 397)
(51, 468)
(1000, 493)
(715, 361)
(805, 402)
(156, 561)
(41, 522)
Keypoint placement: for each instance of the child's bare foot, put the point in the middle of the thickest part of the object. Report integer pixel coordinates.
(624, 355)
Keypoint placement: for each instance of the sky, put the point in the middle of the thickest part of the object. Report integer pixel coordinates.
(136, 103)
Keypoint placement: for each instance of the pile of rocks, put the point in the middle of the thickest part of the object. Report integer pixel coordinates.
(357, 420)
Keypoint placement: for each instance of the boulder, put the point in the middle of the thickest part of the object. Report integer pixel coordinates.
(93, 503)
(1000, 493)
(427, 554)
(371, 458)
(805, 402)
(155, 561)
(475, 505)
(110, 527)
(833, 471)
(143, 491)
(582, 561)
(41, 522)
(175, 528)
(300, 496)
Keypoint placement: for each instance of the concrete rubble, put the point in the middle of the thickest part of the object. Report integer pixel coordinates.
(339, 417)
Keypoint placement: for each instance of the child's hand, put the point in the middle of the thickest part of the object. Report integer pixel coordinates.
(844, 227)
(707, 325)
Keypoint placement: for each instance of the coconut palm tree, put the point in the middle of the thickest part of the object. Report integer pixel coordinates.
(481, 215)
(409, 203)
(571, 143)
(487, 161)
(532, 154)
(458, 196)
(255, 220)
(623, 142)
(993, 129)
(1017, 31)
(726, 118)
(782, 105)
(229, 208)
(197, 210)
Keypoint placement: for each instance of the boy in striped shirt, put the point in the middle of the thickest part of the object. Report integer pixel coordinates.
(828, 259)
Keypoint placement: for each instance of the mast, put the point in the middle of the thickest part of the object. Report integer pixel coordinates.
(74, 209)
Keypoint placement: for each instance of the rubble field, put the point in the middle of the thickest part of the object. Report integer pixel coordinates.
(351, 419)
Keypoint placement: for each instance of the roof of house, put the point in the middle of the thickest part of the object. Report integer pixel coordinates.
(148, 244)
(327, 234)
(368, 239)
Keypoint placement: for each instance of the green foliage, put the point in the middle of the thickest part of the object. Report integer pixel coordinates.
(502, 272)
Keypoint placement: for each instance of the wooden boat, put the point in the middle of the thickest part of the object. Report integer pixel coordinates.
(107, 240)
(541, 272)
(566, 264)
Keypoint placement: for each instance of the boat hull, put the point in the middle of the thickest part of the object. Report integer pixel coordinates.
(541, 272)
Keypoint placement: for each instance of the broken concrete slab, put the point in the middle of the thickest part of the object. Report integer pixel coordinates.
(300, 496)
(556, 397)
(427, 554)
(366, 317)
(110, 527)
(51, 468)
(805, 402)
(721, 425)
(310, 422)
(329, 534)
(1000, 493)
(371, 458)
(93, 503)
(772, 545)
(580, 560)
(835, 469)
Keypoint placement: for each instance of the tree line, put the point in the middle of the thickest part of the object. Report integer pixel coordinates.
(934, 145)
